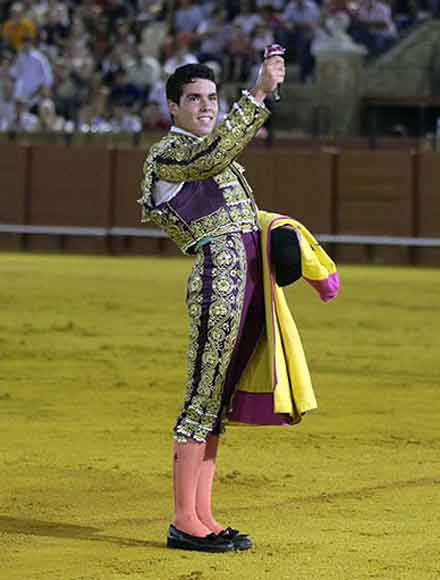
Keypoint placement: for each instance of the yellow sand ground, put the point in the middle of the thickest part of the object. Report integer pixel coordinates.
(92, 354)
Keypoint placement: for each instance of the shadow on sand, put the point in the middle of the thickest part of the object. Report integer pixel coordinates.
(10, 525)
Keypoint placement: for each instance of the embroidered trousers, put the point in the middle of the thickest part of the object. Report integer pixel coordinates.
(225, 303)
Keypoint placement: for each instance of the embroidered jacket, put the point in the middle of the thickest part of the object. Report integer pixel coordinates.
(215, 197)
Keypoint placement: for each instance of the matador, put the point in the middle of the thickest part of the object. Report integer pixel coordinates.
(196, 192)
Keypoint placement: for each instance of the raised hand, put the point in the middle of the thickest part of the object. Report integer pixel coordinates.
(272, 73)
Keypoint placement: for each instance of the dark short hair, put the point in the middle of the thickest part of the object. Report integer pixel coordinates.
(186, 74)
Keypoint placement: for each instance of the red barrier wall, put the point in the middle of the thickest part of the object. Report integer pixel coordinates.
(14, 169)
(293, 183)
(357, 192)
(428, 214)
(375, 193)
(375, 197)
(70, 186)
(429, 195)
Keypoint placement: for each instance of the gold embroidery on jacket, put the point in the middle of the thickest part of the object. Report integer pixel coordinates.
(228, 219)
(178, 157)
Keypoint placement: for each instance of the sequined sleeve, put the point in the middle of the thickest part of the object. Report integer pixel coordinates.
(188, 160)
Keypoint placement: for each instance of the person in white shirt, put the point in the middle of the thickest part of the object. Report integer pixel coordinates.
(32, 73)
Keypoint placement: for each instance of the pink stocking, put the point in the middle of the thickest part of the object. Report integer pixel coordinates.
(187, 462)
(204, 486)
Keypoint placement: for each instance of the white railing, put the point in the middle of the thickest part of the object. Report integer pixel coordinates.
(154, 233)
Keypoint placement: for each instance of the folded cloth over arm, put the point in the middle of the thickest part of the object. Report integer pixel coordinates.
(294, 252)
(278, 366)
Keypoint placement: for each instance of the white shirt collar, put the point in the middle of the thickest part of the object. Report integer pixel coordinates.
(175, 129)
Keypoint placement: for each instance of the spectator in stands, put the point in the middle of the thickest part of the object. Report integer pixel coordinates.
(404, 13)
(262, 37)
(123, 36)
(426, 9)
(123, 121)
(143, 72)
(112, 64)
(214, 33)
(60, 8)
(92, 116)
(123, 92)
(34, 11)
(166, 49)
(331, 7)
(248, 19)
(7, 105)
(233, 8)
(31, 71)
(223, 105)
(153, 118)
(188, 16)
(158, 95)
(121, 40)
(181, 55)
(53, 10)
(50, 122)
(300, 21)
(114, 10)
(5, 65)
(79, 36)
(82, 66)
(67, 90)
(373, 26)
(54, 29)
(101, 41)
(24, 122)
(239, 56)
(272, 19)
(18, 27)
(277, 5)
(149, 11)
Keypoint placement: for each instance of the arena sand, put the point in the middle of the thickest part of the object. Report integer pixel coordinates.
(92, 373)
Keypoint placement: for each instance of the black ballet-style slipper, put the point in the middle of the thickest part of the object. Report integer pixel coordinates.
(179, 540)
(240, 541)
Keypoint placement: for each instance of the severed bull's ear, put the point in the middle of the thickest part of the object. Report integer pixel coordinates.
(285, 254)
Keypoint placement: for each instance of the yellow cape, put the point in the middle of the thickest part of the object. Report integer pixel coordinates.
(278, 365)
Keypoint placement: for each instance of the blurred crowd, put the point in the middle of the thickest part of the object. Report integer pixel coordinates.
(97, 66)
